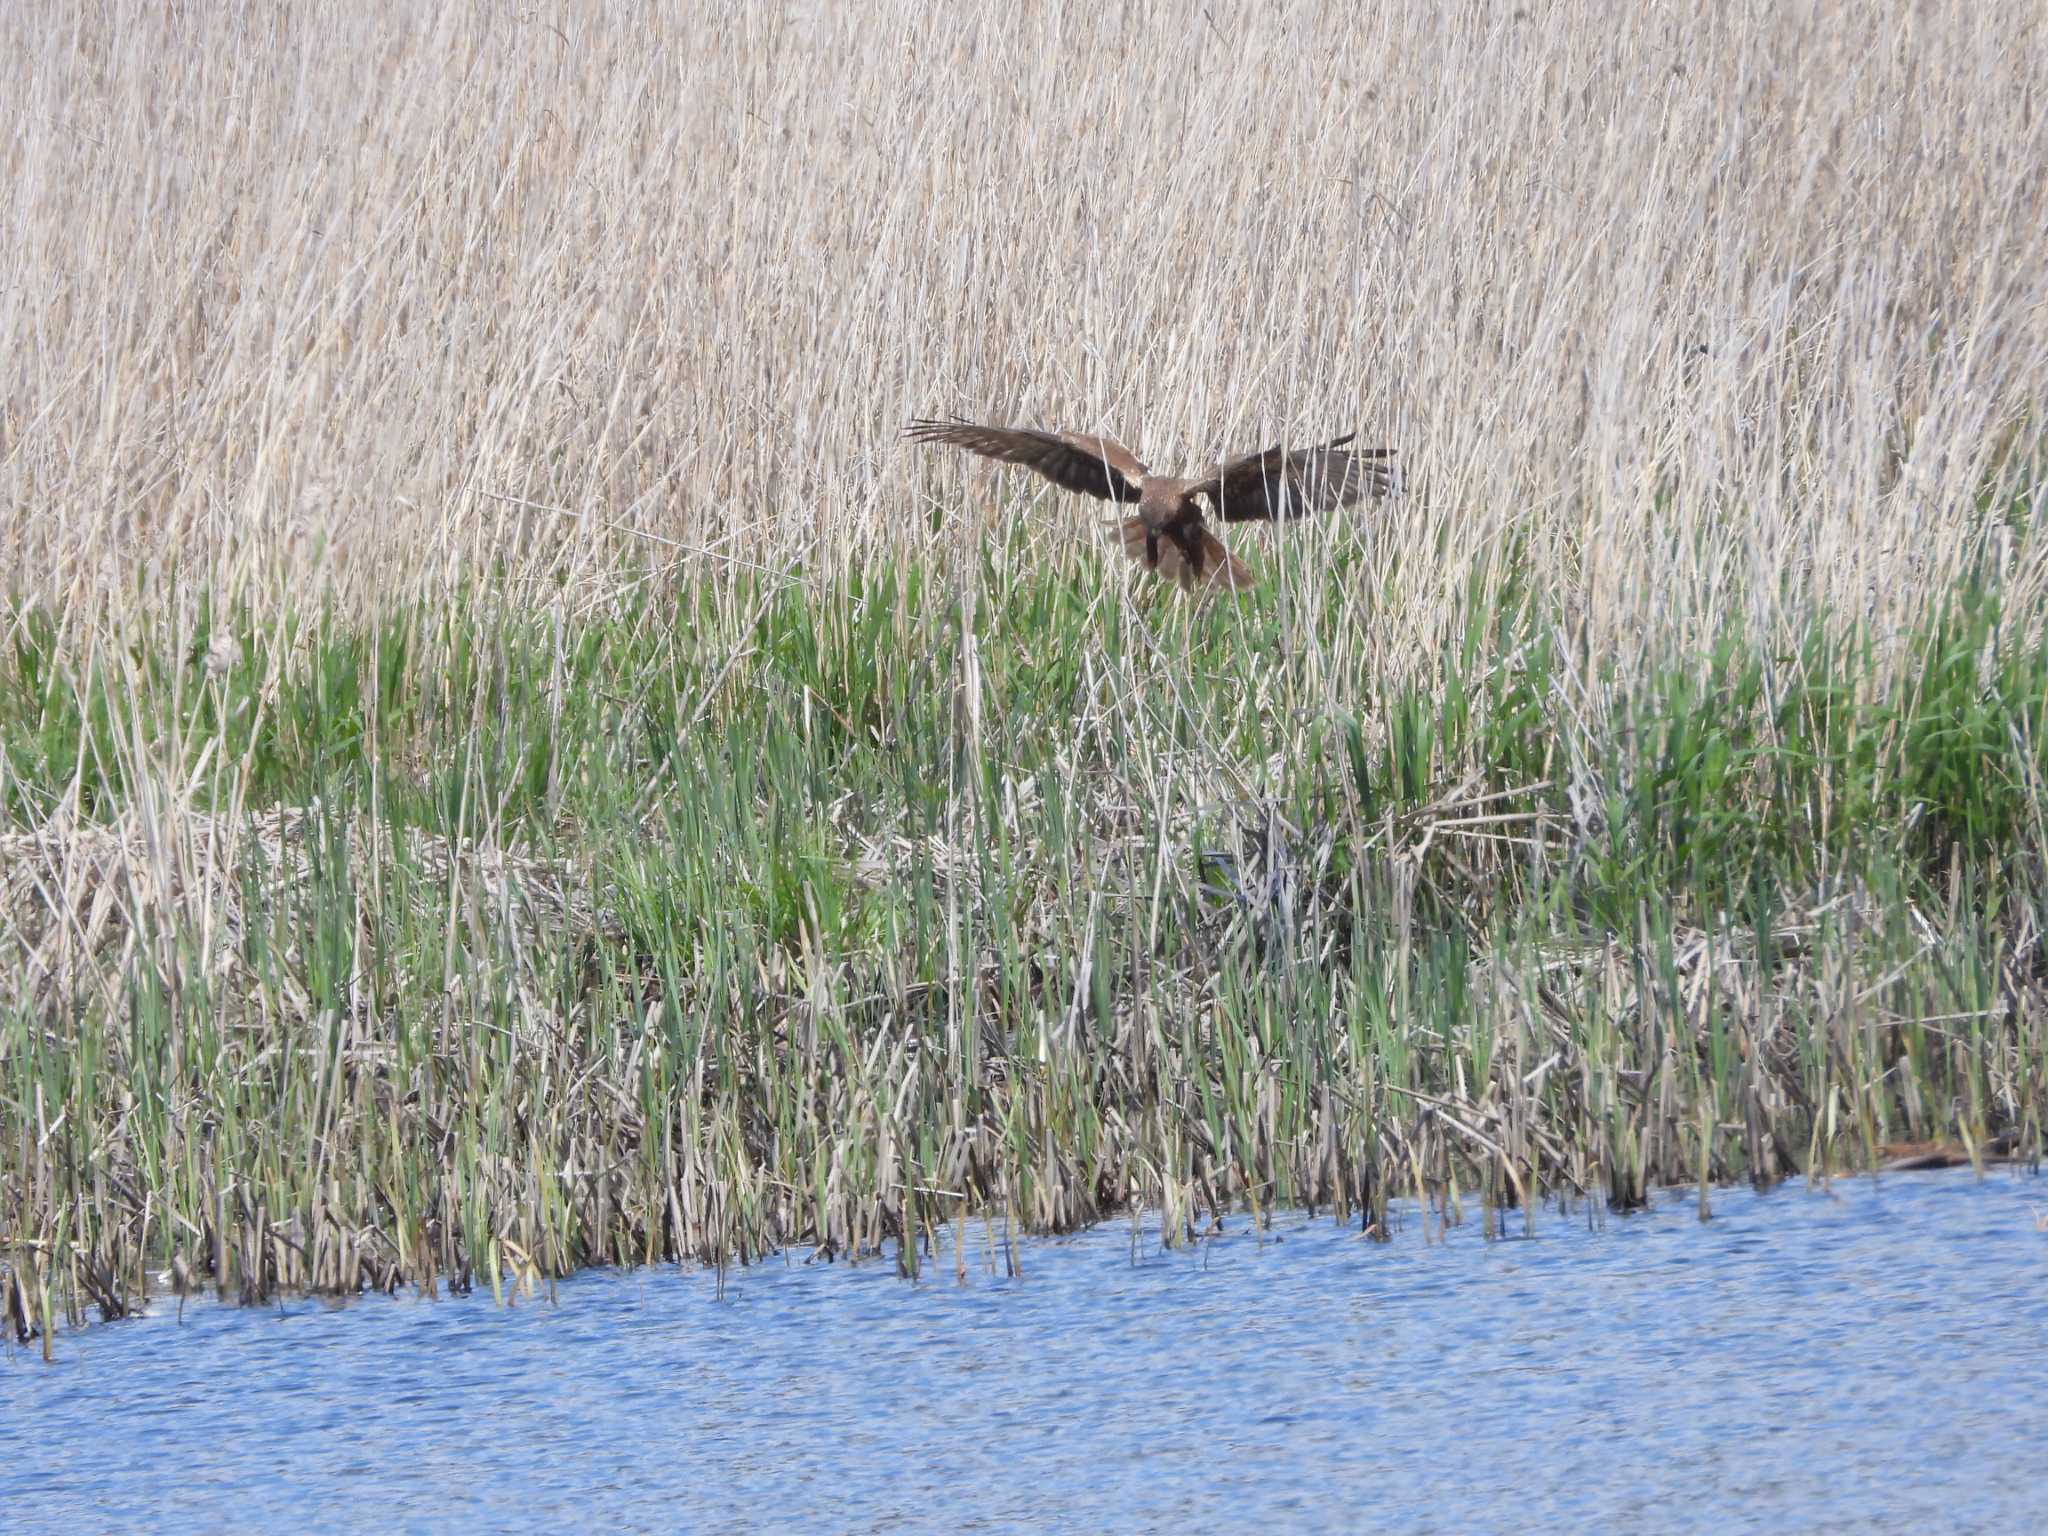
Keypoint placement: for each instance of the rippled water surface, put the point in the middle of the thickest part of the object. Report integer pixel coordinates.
(1872, 1356)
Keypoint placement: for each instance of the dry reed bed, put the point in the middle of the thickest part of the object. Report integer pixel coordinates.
(81, 900)
(305, 298)
(1701, 335)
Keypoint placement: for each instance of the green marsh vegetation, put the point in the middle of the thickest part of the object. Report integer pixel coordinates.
(487, 942)
(506, 765)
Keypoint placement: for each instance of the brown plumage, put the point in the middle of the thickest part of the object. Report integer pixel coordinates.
(1169, 533)
(1912, 1156)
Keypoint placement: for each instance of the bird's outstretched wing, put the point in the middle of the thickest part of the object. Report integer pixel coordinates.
(1169, 553)
(1282, 483)
(1094, 466)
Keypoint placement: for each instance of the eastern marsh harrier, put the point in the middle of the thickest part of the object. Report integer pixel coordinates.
(1170, 534)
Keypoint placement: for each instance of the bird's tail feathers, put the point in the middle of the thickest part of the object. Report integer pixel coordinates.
(1161, 555)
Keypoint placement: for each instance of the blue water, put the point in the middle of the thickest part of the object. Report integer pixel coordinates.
(1873, 1356)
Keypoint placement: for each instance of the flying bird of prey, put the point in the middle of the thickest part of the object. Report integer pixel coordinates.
(1170, 532)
